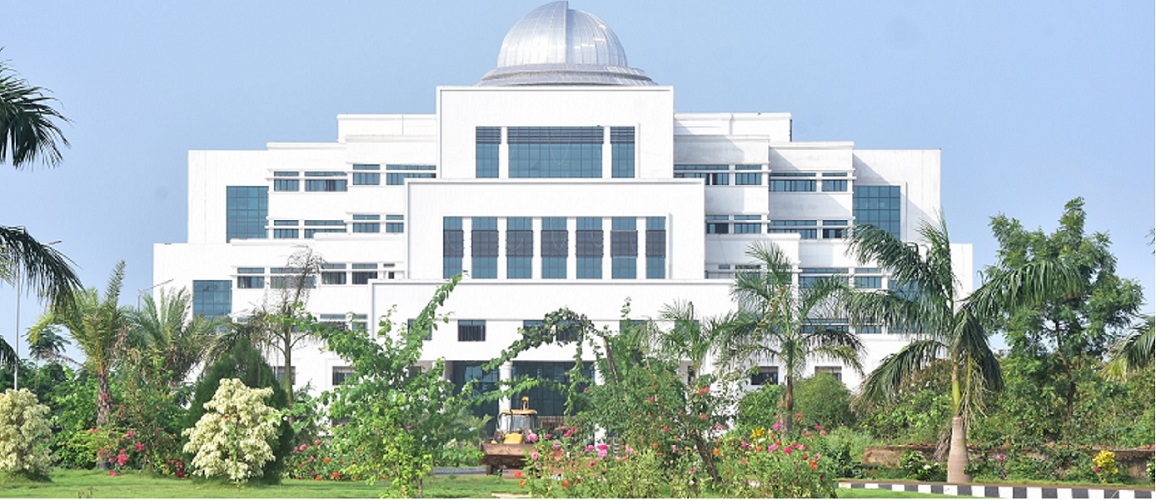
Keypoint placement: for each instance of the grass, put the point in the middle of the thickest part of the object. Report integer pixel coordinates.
(97, 484)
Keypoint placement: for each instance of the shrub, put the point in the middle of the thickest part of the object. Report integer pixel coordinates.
(1105, 467)
(920, 469)
(770, 464)
(232, 438)
(759, 406)
(565, 467)
(824, 400)
(24, 434)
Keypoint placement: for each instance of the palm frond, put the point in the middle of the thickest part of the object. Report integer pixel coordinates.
(1035, 283)
(42, 268)
(28, 123)
(896, 370)
(870, 244)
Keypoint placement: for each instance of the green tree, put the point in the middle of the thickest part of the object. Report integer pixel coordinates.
(168, 331)
(1079, 327)
(49, 345)
(925, 297)
(1136, 351)
(99, 326)
(781, 321)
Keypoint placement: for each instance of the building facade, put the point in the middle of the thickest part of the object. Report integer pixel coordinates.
(564, 178)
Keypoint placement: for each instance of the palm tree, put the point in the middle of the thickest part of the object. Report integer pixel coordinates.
(49, 345)
(27, 134)
(165, 329)
(1135, 352)
(99, 326)
(28, 131)
(924, 297)
(781, 321)
(690, 338)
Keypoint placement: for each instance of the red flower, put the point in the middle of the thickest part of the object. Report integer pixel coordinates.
(336, 475)
(517, 474)
(326, 460)
(522, 483)
(565, 483)
(112, 473)
(316, 478)
(139, 447)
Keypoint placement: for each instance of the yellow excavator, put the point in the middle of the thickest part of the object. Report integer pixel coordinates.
(508, 448)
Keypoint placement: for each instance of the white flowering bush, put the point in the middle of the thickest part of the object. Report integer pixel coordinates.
(232, 438)
(24, 434)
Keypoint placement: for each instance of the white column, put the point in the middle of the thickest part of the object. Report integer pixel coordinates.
(501, 247)
(505, 373)
(467, 246)
(607, 226)
(571, 248)
(536, 253)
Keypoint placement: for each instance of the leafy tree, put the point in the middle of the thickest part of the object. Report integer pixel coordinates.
(232, 440)
(24, 434)
(824, 400)
(927, 300)
(781, 321)
(397, 417)
(1078, 327)
(168, 331)
(49, 345)
(99, 326)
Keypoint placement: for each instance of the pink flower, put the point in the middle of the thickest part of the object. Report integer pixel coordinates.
(629, 450)
(589, 447)
(772, 447)
(776, 426)
(999, 457)
(822, 433)
(673, 449)
(139, 447)
(1096, 469)
(602, 446)
(702, 416)
(534, 455)
(665, 428)
(303, 447)
(650, 399)
(818, 427)
(549, 436)
(602, 452)
(570, 431)
(531, 437)
(112, 473)
(130, 433)
(310, 459)
(556, 445)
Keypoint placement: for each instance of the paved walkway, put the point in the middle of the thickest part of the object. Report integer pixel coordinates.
(1004, 491)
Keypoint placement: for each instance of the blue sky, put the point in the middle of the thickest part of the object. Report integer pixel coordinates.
(1032, 103)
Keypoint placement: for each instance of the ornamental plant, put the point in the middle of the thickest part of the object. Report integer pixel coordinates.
(1105, 467)
(773, 463)
(24, 434)
(567, 466)
(232, 438)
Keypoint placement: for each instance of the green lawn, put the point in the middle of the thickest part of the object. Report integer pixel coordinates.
(96, 484)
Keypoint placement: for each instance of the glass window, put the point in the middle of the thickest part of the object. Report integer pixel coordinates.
(341, 374)
(395, 227)
(484, 247)
(366, 227)
(472, 330)
(453, 246)
(279, 374)
(326, 185)
(834, 371)
(804, 228)
(333, 278)
(366, 179)
(363, 277)
(879, 206)
(555, 152)
(834, 185)
(588, 239)
(748, 228)
(282, 173)
(624, 248)
(766, 375)
(718, 228)
(872, 282)
(792, 185)
(286, 185)
(748, 179)
(366, 217)
(246, 211)
(656, 247)
(555, 247)
(869, 329)
(519, 247)
(285, 234)
(622, 152)
(547, 399)
(250, 282)
(363, 166)
(719, 178)
(212, 298)
(488, 140)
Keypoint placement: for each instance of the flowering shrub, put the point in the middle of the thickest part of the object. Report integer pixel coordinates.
(564, 467)
(317, 460)
(1104, 465)
(773, 464)
(24, 434)
(232, 438)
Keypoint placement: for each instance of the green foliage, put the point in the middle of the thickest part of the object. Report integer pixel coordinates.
(824, 400)
(152, 411)
(24, 434)
(920, 413)
(245, 362)
(759, 405)
(920, 469)
(397, 417)
(566, 467)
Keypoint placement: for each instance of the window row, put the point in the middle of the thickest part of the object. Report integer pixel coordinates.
(362, 175)
(802, 182)
(554, 152)
(554, 247)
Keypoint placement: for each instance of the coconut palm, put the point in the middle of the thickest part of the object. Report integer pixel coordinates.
(28, 129)
(925, 297)
(1135, 352)
(690, 338)
(784, 322)
(165, 329)
(99, 327)
(49, 345)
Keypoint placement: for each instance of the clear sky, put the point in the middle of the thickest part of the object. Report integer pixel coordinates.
(1033, 103)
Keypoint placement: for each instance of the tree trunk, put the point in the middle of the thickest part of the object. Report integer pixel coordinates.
(103, 400)
(957, 459)
(789, 404)
(288, 367)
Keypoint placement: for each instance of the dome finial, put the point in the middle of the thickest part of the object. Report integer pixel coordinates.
(554, 45)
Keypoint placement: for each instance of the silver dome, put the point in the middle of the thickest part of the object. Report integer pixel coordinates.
(554, 45)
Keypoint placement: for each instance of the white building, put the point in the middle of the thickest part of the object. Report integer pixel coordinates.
(564, 178)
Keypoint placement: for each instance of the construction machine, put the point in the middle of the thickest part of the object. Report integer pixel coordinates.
(509, 446)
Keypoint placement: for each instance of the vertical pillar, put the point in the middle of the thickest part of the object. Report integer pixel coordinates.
(505, 373)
